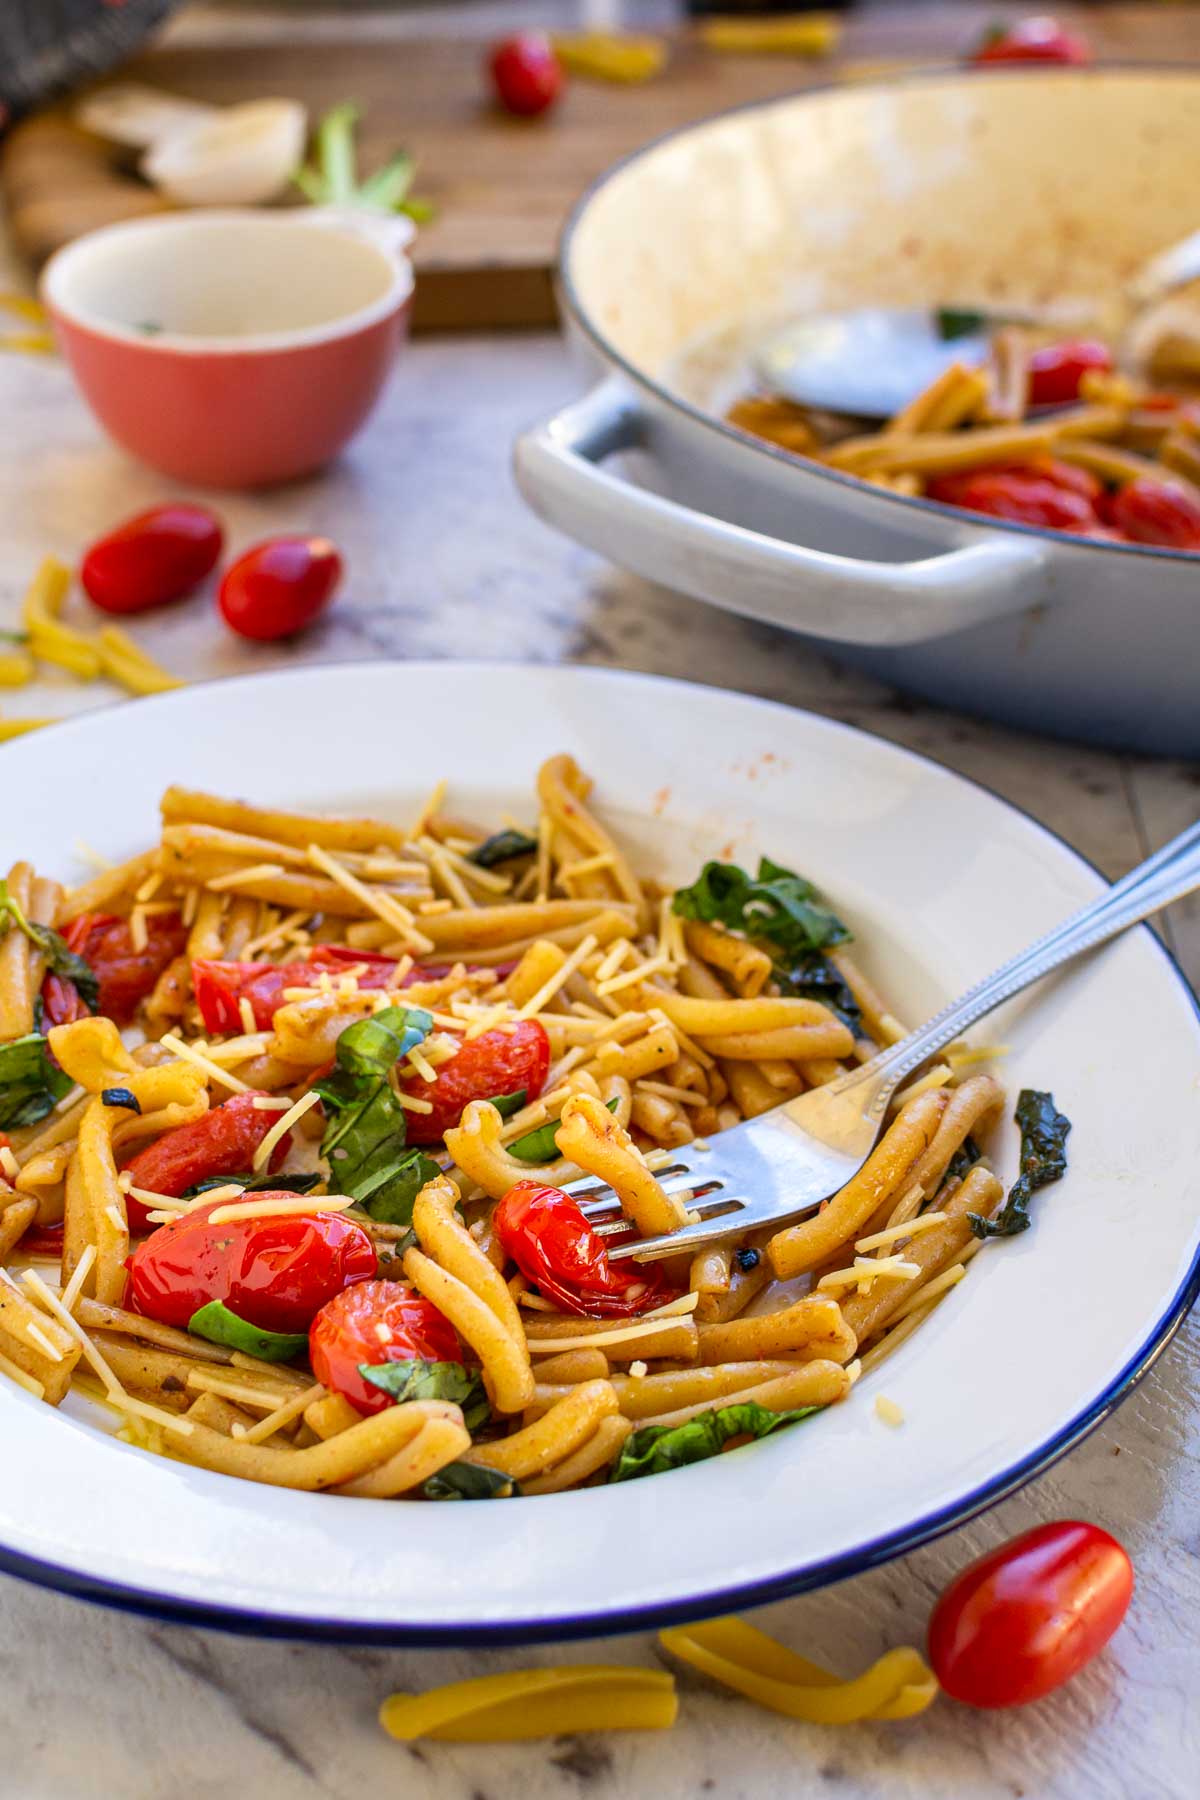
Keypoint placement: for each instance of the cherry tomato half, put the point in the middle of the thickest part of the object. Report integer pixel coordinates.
(276, 1273)
(1157, 512)
(496, 1062)
(1056, 370)
(526, 74)
(1029, 496)
(1024, 1619)
(279, 587)
(546, 1235)
(376, 1322)
(126, 974)
(153, 558)
(220, 1142)
(1033, 40)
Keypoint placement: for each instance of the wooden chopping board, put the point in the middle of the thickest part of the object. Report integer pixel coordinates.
(502, 187)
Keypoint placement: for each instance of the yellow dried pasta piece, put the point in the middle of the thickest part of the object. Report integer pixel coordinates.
(808, 34)
(126, 662)
(15, 728)
(610, 56)
(535, 1703)
(898, 1686)
(16, 668)
(49, 638)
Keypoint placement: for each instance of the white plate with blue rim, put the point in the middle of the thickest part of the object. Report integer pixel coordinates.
(940, 882)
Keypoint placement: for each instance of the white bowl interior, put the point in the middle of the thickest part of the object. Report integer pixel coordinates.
(940, 881)
(222, 277)
(1028, 187)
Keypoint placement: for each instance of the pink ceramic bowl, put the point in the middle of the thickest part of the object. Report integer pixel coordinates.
(232, 349)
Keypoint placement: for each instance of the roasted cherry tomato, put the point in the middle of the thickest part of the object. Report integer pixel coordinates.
(546, 1235)
(1056, 370)
(153, 558)
(496, 1062)
(1029, 495)
(220, 987)
(527, 75)
(1027, 1617)
(43, 1240)
(1032, 40)
(1157, 512)
(279, 587)
(274, 1273)
(376, 1322)
(126, 975)
(220, 1142)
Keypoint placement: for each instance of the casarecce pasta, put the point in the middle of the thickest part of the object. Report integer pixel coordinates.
(368, 1056)
(1048, 434)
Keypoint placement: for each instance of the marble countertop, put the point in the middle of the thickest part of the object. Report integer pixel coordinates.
(445, 561)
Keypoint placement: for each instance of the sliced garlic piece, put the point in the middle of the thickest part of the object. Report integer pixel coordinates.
(129, 112)
(235, 157)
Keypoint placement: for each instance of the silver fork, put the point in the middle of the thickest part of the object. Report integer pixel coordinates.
(784, 1163)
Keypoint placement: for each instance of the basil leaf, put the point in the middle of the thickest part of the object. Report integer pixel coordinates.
(468, 1481)
(960, 321)
(59, 960)
(539, 1146)
(501, 847)
(220, 1326)
(507, 1104)
(1043, 1160)
(364, 1142)
(256, 1184)
(121, 1097)
(814, 977)
(656, 1448)
(412, 1379)
(963, 1160)
(31, 1082)
(776, 905)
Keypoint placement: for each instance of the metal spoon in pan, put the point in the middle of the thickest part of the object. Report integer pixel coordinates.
(870, 361)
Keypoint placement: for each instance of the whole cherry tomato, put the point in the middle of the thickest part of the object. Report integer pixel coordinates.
(527, 75)
(1056, 370)
(1025, 1618)
(153, 558)
(126, 974)
(546, 1235)
(496, 1062)
(276, 1273)
(1032, 40)
(376, 1322)
(220, 1142)
(279, 587)
(1030, 496)
(1157, 512)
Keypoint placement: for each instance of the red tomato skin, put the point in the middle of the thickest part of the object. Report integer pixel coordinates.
(1024, 496)
(496, 1062)
(1156, 512)
(526, 74)
(274, 1273)
(1024, 1619)
(278, 587)
(547, 1236)
(221, 1142)
(1034, 40)
(154, 558)
(126, 975)
(343, 1335)
(1056, 370)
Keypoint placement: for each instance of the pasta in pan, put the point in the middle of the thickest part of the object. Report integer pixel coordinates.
(287, 1104)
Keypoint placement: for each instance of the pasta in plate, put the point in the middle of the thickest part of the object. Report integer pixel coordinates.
(287, 1106)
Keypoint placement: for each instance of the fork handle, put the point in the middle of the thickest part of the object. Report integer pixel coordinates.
(1172, 872)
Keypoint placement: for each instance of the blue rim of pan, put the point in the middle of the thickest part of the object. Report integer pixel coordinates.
(246, 1622)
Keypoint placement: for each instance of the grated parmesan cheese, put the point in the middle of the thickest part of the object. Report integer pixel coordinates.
(9, 1165)
(283, 1124)
(888, 1411)
(265, 871)
(280, 1207)
(906, 1229)
(189, 1053)
(554, 982)
(246, 1014)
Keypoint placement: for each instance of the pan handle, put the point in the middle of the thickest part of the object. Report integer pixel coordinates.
(558, 469)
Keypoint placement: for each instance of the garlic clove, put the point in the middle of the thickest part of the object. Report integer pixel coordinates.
(235, 157)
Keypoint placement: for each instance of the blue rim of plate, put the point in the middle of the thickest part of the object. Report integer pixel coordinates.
(244, 1622)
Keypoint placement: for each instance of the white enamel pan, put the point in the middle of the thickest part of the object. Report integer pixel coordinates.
(1023, 187)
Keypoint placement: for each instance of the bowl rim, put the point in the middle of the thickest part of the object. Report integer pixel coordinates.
(397, 294)
(573, 307)
(245, 1621)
